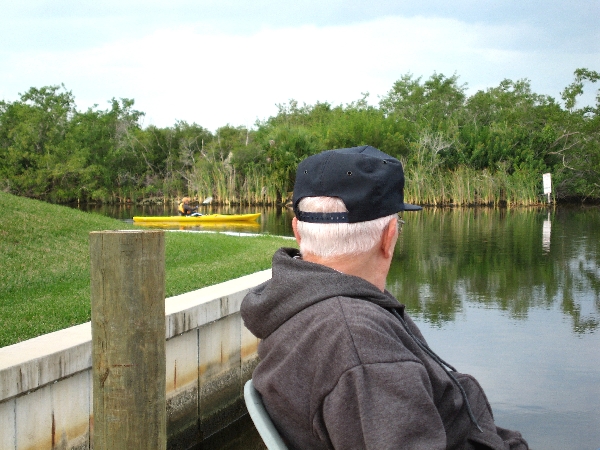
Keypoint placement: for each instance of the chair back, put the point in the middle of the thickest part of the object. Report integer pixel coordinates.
(261, 419)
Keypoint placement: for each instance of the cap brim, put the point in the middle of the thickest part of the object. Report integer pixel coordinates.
(409, 207)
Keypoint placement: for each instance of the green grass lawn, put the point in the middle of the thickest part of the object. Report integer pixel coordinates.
(45, 264)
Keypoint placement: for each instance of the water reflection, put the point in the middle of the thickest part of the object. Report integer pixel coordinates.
(498, 259)
(546, 232)
(499, 297)
(235, 227)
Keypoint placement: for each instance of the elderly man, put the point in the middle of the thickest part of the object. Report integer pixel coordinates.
(342, 365)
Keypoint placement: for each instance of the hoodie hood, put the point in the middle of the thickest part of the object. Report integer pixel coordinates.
(297, 284)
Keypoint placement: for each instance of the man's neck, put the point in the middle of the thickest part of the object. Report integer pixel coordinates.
(367, 266)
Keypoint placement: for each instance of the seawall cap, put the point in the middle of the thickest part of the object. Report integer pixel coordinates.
(370, 182)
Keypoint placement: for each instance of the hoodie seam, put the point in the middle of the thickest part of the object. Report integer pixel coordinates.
(348, 330)
(360, 362)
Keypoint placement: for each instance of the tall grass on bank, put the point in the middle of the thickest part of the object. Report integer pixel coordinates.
(45, 261)
(469, 187)
(427, 184)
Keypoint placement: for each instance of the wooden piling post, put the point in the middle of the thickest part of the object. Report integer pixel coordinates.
(128, 339)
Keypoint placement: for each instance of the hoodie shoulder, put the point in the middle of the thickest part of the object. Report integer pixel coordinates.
(297, 284)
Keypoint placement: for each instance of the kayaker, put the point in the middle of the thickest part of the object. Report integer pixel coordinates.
(184, 207)
(342, 364)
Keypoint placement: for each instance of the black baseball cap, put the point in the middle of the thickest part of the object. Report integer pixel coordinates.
(370, 182)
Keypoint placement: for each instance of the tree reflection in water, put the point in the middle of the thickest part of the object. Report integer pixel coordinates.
(499, 258)
(512, 297)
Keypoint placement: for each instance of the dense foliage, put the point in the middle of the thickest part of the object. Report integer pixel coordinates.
(487, 148)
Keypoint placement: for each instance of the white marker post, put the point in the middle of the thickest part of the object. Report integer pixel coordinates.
(547, 178)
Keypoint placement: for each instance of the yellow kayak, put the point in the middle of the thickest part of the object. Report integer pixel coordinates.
(207, 218)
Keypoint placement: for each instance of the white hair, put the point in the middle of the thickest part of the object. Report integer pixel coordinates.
(329, 240)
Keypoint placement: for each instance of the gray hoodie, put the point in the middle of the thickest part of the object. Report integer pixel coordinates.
(342, 365)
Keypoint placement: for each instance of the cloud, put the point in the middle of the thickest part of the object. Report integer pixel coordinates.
(196, 74)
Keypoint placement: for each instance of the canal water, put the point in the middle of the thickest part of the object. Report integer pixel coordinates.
(511, 296)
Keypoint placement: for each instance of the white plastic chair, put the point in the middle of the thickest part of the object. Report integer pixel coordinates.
(261, 419)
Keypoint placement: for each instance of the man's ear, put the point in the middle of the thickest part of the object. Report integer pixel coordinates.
(389, 238)
(295, 228)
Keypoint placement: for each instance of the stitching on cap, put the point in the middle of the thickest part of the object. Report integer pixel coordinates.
(317, 217)
(323, 168)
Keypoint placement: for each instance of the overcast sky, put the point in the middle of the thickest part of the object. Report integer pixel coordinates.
(218, 62)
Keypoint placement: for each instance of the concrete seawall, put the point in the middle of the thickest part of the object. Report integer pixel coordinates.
(46, 382)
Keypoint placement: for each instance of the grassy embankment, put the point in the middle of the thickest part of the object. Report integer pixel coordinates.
(45, 264)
